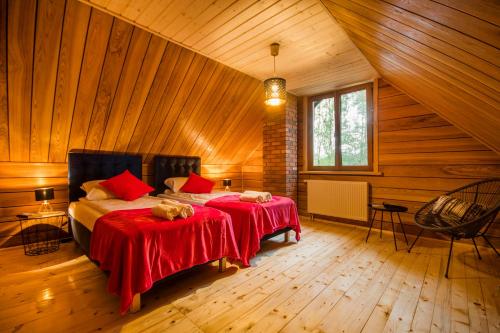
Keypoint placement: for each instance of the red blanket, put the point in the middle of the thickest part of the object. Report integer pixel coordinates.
(138, 248)
(252, 221)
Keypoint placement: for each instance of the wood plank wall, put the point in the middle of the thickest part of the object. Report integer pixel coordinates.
(316, 54)
(444, 54)
(420, 154)
(73, 77)
(17, 181)
(253, 171)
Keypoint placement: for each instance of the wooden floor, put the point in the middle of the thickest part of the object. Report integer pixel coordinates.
(331, 281)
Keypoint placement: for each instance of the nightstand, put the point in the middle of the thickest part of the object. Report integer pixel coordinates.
(40, 232)
(385, 207)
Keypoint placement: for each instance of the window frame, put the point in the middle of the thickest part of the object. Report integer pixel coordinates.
(338, 154)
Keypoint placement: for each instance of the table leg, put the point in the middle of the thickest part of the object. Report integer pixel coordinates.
(371, 225)
(394, 233)
(403, 229)
(381, 222)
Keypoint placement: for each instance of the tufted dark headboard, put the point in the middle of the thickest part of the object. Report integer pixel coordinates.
(85, 166)
(165, 166)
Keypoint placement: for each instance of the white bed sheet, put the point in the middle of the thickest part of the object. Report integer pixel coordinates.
(195, 199)
(87, 212)
(109, 205)
(84, 214)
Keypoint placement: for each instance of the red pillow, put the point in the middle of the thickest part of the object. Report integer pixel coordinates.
(126, 186)
(197, 184)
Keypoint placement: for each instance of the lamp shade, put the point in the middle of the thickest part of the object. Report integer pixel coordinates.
(226, 182)
(275, 90)
(46, 193)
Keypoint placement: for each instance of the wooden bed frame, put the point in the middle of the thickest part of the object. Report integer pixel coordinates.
(87, 165)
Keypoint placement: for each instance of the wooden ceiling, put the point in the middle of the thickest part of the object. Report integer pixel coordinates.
(315, 55)
(443, 53)
(76, 77)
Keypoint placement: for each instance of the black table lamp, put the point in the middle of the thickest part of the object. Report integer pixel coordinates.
(226, 182)
(44, 194)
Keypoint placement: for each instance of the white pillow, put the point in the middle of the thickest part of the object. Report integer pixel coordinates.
(99, 193)
(87, 186)
(175, 183)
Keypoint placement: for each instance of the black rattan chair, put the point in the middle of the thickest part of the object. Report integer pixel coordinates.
(485, 193)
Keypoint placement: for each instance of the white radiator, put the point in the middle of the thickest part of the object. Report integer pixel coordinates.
(337, 198)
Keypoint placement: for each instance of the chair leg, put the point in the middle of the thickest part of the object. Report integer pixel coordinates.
(490, 244)
(381, 222)
(449, 256)
(416, 239)
(394, 233)
(403, 229)
(477, 250)
(371, 225)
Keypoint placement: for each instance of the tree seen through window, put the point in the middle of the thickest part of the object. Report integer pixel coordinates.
(340, 130)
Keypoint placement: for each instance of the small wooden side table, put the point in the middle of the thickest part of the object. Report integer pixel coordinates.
(391, 209)
(40, 233)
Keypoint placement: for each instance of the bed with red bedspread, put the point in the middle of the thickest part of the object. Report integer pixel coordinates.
(138, 248)
(252, 221)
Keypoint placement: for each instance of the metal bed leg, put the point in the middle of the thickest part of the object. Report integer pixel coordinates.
(477, 250)
(394, 233)
(490, 244)
(403, 229)
(416, 239)
(381, 223)
(449, 256)
(371, 225)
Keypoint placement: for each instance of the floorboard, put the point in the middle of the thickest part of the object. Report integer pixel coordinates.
(331, 281)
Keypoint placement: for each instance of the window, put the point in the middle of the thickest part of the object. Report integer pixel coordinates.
(340, 130)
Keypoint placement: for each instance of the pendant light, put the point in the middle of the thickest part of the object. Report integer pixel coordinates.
(275, 87)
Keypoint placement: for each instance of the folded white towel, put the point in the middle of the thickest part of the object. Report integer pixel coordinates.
(249, 197)
(266, 195)
(180, 212)
(186, 210)
(165, 211)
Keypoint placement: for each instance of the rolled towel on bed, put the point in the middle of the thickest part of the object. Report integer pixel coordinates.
(266, 195)
(252, 197)
(165, 211)
(186, 210)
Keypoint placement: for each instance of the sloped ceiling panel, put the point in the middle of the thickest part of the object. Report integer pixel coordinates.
(445, 54)
(76, 77)
(315, 56)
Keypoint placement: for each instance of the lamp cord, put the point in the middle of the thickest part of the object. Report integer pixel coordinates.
(274, 67)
